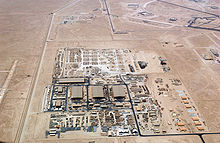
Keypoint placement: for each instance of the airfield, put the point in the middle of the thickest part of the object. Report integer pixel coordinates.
(142, 71)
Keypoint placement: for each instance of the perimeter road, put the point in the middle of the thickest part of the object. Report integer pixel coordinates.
(213, 39)
(7, 81)
(25, 113)
(217, 38)
(22, 124)
(188, 8)
(194, 50)
(186, 134)
(132, 107)
(109, 17)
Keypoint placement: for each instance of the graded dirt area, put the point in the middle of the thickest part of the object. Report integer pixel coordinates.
(24, 27)
(189, 139)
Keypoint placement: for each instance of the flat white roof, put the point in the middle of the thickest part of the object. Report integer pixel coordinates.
(71, 80)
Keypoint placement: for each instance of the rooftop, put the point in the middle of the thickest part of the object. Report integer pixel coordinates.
(97, 92)
(118, 91)
(76, 92)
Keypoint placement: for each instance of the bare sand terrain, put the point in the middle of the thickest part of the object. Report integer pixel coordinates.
(23, 37)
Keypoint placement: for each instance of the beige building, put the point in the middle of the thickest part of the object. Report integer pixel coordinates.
(76, 92)
(70, 80)
(97, 92)
(118, 91)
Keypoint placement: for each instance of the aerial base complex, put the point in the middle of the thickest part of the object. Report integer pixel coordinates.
(105, 91)
(94, 71)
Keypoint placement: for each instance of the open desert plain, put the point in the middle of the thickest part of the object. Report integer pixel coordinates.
(110, 71)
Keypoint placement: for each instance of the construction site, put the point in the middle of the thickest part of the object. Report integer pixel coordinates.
(94, 71)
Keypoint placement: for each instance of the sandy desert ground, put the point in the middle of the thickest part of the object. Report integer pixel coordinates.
(32, 31)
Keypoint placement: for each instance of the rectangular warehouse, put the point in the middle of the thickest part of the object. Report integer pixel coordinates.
(70, 80)
(118, 91)
(97, 92)
(76, 92)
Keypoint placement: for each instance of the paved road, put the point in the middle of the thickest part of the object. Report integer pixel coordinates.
(7, 81)
(189, 8)
(109, 16)
(25, 113)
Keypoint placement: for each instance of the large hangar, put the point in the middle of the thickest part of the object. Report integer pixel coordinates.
(76, 92)
(97, 92)
(118, 91)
